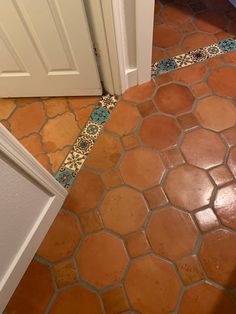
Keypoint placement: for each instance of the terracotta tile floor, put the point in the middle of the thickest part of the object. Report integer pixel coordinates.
(47, 128)
(149, 225)
(183, 25)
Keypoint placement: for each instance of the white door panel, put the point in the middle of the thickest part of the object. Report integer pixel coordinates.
(46, 49)
(30, 198)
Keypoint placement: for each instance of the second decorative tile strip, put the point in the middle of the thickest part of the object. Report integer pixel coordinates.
(85, 141)
(192, 57)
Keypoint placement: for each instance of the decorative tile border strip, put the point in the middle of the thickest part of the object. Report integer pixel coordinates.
(85, 141)
(192, 57)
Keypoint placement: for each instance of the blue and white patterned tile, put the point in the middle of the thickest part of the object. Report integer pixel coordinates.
(85, 141)
(183, 60)
(227, 45)
(74, 160)
(65, 177)
(192, 57)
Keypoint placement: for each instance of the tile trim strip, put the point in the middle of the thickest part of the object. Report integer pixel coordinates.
(193, 57)
(76, 157)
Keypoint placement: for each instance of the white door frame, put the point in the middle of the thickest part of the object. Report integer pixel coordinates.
(110, 32)
(29, 166)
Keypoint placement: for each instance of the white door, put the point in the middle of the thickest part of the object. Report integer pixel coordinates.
(46, 49)
(30, 198)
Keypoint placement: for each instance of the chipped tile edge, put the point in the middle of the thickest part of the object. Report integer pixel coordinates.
(85, 141)
(192, 57)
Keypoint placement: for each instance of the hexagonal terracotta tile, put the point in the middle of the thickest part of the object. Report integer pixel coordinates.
(140, 92)
(216, 113)
(105, 153)
(222, 81)
(152, 285)
(159, 132)
(61, 239)
(60, 131)
(232, 161)
(190, 269)
(225, 205)
(123, 210)
(206, 219)
(230, 136)
(172, 233)
(115, 301)
(55, 106)
(76, 298)
(165, 35)
(218, 256)
(203, 148)
(176, 14)
(142, 168)
(210, 22)
(33, 144)
(27, 119)
(6, 108)
(124, 119)
(31, 296)
(98, 265)
(189, 75)
(230, 57)
(174, 99)
(194, 300)
(188, 187)
(197, 40)
(85, 192)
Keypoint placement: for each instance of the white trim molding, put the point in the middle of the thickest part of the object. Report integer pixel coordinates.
(122, 33)
(139, 71)
(17, 157)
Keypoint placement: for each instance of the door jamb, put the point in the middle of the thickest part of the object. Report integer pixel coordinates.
(109, 33)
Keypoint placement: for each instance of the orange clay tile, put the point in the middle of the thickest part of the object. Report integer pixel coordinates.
(174, 99)
(115, 301)
(6, 108)
(123, 210)
(217, 255)
(137, 168)
(85, 193)
(221, 175)
(130, 141)
(65, 273)
(31, 296)
(141, 281)
(206, 219)
(172, 233)
(74, 298)
(137, 244)
(91, 222)
(112, 178)
(98, 265)
(155, 197)
(173, 157)
(190, 269)
(62, 238)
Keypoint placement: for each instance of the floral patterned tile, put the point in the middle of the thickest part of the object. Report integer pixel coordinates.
(85, 141)
(192, 57)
